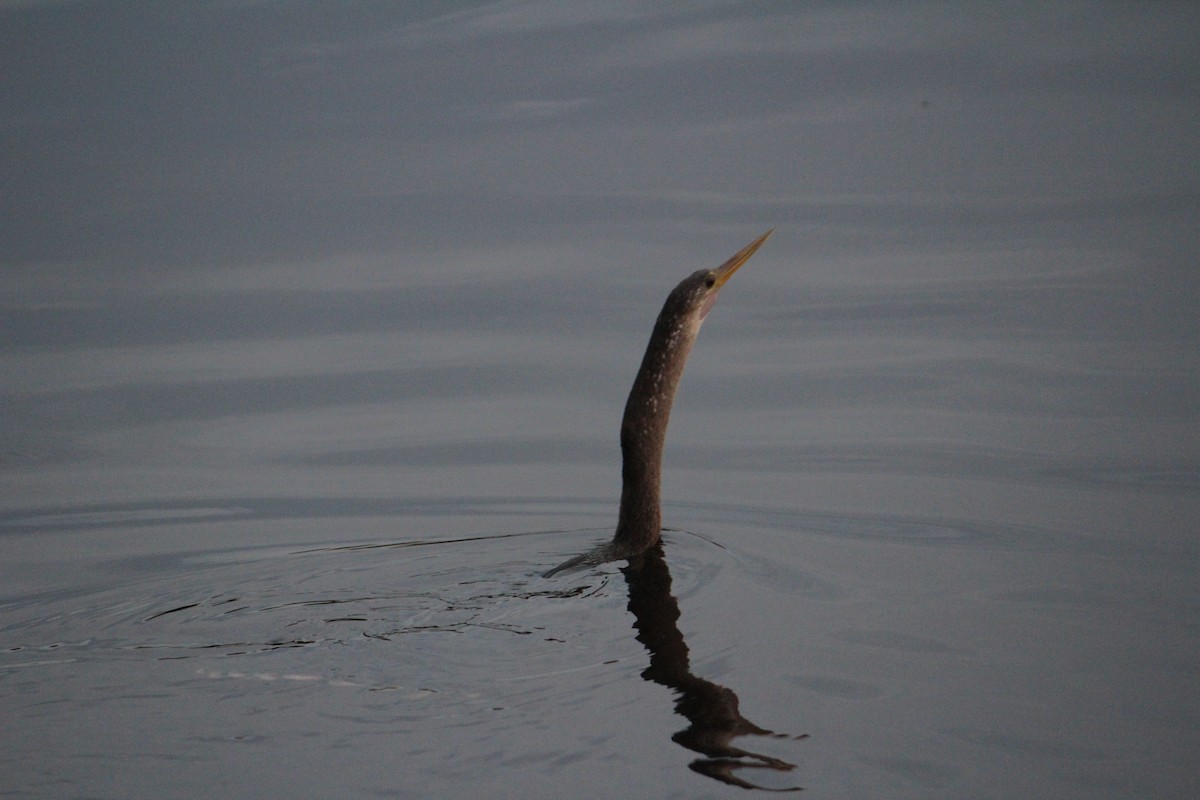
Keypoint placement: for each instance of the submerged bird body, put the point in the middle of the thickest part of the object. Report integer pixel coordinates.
(648, 411)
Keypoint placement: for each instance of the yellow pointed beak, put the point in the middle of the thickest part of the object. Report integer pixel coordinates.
(726, 270)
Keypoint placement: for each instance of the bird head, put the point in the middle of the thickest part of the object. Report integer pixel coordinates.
(696, 294)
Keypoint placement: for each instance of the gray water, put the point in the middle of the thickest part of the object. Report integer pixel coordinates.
(317, 325)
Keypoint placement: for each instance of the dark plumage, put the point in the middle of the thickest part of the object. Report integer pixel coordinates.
(648, 411)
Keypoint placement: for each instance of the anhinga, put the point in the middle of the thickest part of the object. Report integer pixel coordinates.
(648, 410)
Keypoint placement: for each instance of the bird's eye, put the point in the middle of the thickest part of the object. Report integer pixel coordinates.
(710, 281)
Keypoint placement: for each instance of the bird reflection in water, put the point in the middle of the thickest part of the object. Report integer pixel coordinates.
(711, 709)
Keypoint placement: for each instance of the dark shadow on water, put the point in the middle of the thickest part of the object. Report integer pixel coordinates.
(711, 709)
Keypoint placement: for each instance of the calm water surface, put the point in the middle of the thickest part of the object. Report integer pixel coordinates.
(281, 475)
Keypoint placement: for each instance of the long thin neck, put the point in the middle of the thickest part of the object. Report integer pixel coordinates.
(644, 427)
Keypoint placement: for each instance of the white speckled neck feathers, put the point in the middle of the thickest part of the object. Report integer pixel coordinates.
(647, 413)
